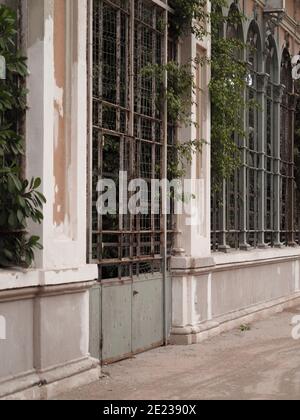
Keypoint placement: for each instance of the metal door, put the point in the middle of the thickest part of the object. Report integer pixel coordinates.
(128, 135)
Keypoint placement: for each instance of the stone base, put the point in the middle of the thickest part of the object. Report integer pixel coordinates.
(44, 345)
(206, 330)
(48, 385)
(210, 297)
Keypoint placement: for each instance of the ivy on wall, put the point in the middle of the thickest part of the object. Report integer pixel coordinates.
(227, 86)
(297, 153)
(20, 200)
(189, 16)
(180, 88)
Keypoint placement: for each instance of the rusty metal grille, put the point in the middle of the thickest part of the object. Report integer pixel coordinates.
(297, 166)
(270, 156)
(287, 152)
(256, 207)
(253, 148)
(128, 131)
(226, 204)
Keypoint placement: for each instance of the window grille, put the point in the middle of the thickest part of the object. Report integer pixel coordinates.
(287, 152)
(270, 152)
(297, 165)
(128, 131)
(226, 206)
(256, 207)
(252, 142)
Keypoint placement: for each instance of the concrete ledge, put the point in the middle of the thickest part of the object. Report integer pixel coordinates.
(256, 256)
(46, 348)
(18, 279)
(220, 261)
(19, 383)
(196, 334)
(188, 263)
(47, 385)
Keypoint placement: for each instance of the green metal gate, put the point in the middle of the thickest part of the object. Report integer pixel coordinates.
(129, 133)
(127, 318)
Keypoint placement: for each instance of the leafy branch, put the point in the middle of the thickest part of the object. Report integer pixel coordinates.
(228, 81)
(20, 200)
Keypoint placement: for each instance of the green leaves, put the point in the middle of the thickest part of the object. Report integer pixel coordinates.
(189, 15)
(227, 87)
(20, 200)
(178, 93)
(17, 249)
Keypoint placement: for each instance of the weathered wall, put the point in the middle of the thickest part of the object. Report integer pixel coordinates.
(56, 130)
(46, 309)
(210, 297)
(208, 286)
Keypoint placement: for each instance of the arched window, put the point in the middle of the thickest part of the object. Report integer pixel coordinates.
(270, 144)
(253, 138)
(297, 164)
(287, 151)
(234, 26)
(226, 205)
(233, 202)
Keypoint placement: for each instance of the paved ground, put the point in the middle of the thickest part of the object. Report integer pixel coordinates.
(263, 363)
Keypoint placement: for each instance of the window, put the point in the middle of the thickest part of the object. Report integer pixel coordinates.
(226, 206)
(128, 130)
(287, 151)
(253, 145)
(256, 207)
(270, 145)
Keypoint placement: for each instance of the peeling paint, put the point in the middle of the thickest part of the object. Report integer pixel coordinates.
(61, 202)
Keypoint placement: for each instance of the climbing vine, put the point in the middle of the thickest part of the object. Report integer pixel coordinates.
(20, 200)
(227, 86)
(228, 81)
(189, 15)
(180, 89)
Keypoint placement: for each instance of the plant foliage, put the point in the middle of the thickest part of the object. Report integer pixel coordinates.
(20, 200)
(228, 81)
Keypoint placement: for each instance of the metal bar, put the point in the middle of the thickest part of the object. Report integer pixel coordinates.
(154, 107)
(131, 103)
(118, 69)
(277, 178)
(164, 192)
(117, 6)
(90, 133)
(163, 5)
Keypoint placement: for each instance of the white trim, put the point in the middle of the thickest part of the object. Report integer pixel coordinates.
(255, 255)
(19, 279)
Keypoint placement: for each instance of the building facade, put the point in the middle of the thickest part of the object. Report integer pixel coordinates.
(106, 287)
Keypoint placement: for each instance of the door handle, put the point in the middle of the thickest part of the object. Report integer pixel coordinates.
(135, 293)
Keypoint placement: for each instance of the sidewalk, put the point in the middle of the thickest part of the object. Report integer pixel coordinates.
(263, 363)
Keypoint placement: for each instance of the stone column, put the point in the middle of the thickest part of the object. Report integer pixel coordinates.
(47, 312)
(57, 126)
(193, 248)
